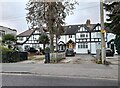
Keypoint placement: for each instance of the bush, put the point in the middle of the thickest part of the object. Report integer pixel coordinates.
(5, 53)
(10, 56)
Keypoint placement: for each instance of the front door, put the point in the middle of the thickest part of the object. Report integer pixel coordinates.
(70, 45)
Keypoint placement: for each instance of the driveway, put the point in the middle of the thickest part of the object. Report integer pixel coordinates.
(79, 59)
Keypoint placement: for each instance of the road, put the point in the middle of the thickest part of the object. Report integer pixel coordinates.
(83, 73)
(79, 70)
(37, 80)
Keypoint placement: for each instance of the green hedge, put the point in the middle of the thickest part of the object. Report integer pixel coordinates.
(10, 56)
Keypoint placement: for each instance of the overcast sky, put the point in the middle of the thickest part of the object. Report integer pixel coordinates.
(12, 14)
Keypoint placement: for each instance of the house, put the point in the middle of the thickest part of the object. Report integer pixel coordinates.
(30, 38)
(6, 30)
(82, 38)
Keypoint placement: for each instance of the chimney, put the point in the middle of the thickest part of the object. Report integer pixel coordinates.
(88, 23)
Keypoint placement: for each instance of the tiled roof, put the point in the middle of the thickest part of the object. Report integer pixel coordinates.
(26, 33)
(72, 29)
(69, 30)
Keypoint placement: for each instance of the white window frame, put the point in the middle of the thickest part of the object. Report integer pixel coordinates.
(82, 45)
(84, 35)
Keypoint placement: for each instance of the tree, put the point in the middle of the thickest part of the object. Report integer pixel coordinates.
(113, 9)
(52, 14)
(114, 21)
(44, 40)
(117, 43)
(9, 39)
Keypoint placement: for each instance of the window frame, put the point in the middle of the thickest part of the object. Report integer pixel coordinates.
(82, 45)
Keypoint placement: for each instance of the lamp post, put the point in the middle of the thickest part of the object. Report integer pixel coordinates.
(103, 52)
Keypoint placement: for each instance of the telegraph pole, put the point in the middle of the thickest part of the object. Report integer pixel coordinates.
(103, 45)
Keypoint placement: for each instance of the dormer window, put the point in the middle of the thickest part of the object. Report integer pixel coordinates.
(70, 36)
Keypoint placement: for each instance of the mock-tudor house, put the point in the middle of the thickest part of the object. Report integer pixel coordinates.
(30, 38)
(84, 39)
(81, 38)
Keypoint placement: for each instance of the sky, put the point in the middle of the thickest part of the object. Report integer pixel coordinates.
(13, 13)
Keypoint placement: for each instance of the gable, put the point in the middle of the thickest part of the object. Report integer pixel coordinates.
(81, 28)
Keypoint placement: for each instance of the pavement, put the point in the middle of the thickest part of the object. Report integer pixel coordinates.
(114, 60)
(78, 59)
(78, 66)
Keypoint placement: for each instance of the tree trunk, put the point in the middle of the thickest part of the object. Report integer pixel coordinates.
(51, 45)
(44, 47)
(56, 44)
(51, 42)
(50, 28)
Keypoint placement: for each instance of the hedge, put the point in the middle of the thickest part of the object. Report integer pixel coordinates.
(10, 56)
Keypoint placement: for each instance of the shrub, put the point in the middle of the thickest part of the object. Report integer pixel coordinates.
(9, 55)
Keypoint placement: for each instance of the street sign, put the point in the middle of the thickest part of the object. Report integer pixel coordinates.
(103, 31)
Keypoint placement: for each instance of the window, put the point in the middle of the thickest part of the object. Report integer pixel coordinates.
(70, 36)
(82, 35)
(20, 38)
(82, 45)
(78, 46)
(85, 35)
(0, 33)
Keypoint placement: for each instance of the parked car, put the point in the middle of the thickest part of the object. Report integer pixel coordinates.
(70, 52)
(109, 52)
(61, 50)
(32, 50)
